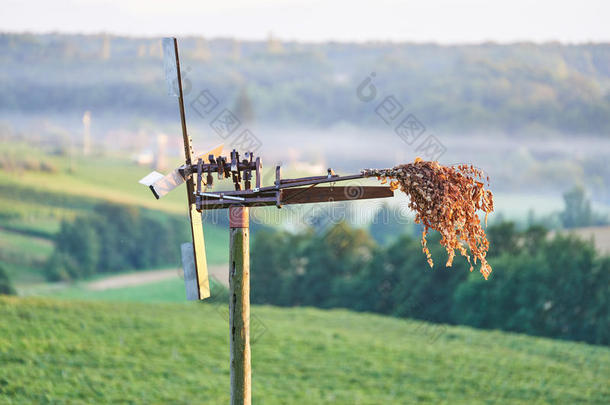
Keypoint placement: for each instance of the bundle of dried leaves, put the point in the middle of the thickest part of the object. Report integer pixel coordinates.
(445, 199)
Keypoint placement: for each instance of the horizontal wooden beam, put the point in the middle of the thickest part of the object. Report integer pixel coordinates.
(301, 195)
(307, 195)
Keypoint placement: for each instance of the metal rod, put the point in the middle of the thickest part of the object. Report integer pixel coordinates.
(288, 181)
(199, 171)
(221, 196)
(210, 195)
(229, 197)
(258, 173)
(308, 182)
(297, 183)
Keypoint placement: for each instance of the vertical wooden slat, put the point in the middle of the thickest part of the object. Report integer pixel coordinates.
(201, 265)
(196, 223)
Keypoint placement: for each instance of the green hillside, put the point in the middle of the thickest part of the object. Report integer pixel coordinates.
(56, 351)
(39, 189)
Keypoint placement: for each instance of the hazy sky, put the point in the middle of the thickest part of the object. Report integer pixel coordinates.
(444, 21)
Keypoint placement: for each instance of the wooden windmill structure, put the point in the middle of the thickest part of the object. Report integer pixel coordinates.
(244, 170)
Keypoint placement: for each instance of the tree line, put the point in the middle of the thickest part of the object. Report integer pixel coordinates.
(115, 238)
(555, 287)
(547, 286)
(513, 88)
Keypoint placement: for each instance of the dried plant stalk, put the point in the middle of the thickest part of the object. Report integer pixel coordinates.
(446, 199)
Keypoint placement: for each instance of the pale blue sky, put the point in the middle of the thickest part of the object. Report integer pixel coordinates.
(443, 21)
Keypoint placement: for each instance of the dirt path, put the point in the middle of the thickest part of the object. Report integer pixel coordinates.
(219, 272)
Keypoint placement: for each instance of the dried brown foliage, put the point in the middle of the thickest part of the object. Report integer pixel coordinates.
(446, 199)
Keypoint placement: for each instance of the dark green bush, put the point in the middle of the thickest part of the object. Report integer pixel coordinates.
(6, 287)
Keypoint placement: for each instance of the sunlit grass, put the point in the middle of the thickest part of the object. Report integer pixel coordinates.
(94, 352)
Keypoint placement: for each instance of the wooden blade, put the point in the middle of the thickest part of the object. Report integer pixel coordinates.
(172, 66)
(201, 266)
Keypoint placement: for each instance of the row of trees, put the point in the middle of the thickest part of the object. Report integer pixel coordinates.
(517, 87)
(578, 211)
(556, 287)
(115, 238)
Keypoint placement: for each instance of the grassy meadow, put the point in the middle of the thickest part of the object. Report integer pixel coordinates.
(66, 351)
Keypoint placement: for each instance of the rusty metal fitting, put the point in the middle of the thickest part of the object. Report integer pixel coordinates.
(239, 217)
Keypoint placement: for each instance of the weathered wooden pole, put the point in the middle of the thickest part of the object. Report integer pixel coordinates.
(239, 306)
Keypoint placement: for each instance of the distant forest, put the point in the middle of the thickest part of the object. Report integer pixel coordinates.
(513, 88)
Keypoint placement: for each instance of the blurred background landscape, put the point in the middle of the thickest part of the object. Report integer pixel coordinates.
(84, 116)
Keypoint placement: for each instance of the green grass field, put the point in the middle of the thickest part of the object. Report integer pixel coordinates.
(65, 351)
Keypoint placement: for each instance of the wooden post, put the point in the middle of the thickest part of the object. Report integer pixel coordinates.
(239, 306)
